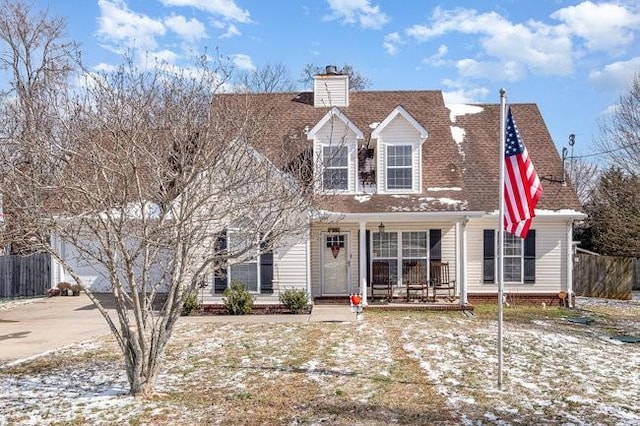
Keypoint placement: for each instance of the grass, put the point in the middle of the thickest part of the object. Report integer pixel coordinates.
(403, 368)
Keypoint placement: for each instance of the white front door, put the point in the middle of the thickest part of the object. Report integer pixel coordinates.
(335, 264)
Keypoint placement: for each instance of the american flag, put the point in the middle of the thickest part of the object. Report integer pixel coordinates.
(522, 187)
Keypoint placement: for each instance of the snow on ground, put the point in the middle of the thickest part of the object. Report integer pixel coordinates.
(6, 304)
(554, 371)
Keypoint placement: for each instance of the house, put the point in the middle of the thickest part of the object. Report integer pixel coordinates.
(404, 180)
(409, 180)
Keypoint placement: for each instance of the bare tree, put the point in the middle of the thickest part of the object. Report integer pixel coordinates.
(583, 174)
(357, 81)
(270, 78)
(36, 63)
(154, 172)
(620, 131)
(135, 172)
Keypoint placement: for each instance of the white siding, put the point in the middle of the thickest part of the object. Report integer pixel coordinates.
(399, 132)
(331, 90)
(551, 264)
(290, 265)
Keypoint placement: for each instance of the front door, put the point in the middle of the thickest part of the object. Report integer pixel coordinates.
(335, 264)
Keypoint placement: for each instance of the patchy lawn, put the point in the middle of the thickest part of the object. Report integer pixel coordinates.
(392, 368)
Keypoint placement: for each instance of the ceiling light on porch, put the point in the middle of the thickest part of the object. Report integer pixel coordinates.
(381, 227)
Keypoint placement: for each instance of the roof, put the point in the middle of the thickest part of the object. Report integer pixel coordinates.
(459, 157)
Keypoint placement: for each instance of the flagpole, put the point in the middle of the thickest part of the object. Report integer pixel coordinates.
(503, 102)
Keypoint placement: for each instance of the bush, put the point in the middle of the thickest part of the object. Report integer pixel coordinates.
(237, 299)
(76, 289)
(295, 299)
(190, 304)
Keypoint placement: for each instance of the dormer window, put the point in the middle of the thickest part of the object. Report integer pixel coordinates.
(399, 167)
(335, 168)
(399, 140)
(335, 144)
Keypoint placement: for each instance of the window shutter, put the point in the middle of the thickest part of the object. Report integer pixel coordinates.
(530, 257)
(435, 244)
(489, 256)
(220, 275)
(266, 273)
(368, 249)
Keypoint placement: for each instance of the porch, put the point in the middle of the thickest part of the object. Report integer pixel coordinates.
(399, 302)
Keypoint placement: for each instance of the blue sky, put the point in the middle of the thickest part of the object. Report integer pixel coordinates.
(572, 58)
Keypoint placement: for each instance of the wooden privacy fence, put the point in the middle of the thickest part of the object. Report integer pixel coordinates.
(24, 276)
(609, 277)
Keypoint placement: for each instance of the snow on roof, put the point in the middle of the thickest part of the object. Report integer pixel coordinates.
(462, 109)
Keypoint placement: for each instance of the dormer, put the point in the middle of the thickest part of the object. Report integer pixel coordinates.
(399, 140)
(331, 89)
(335, 161)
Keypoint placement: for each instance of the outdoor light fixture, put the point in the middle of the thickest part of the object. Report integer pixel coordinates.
(381, 228)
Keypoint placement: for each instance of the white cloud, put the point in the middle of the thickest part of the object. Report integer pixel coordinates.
(535, 46)
(243, 62)
(357, 11)
(616, 76)
(189, 29)
(227, 9)
(232, 31)
(437, 58)
(391, 43)
(104, 67)
(604, 26)
(117, 24)
(166, 55)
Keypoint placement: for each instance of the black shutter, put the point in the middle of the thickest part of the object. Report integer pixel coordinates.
(489, 256)
(220, 274)
(368, 249)
(266, 273)
(530, 257)
(435, 244)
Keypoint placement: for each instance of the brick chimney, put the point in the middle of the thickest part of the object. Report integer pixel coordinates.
(331, 88)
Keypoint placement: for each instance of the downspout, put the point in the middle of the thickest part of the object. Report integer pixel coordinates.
(570, 263)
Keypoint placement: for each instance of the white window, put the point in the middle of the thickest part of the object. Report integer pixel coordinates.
(414, 251)
(399, 167)
(385, 250)
(513, 258)
(335, 168)
(404, 250)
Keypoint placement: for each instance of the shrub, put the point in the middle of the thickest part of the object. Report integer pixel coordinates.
(76, 289)
(190, 303)
(237, 299)
(295, 299)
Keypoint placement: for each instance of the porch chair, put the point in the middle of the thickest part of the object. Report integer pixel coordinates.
(415, 279)
(381, 281)
(441, 283)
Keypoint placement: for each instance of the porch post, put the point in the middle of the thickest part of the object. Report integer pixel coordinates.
(362, 261)
(308, 260)
(463, 261)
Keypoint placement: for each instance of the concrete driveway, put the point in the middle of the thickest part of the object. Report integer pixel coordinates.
(51, 323)
(46, 324)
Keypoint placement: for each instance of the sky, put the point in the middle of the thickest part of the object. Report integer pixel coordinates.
(572, 58)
